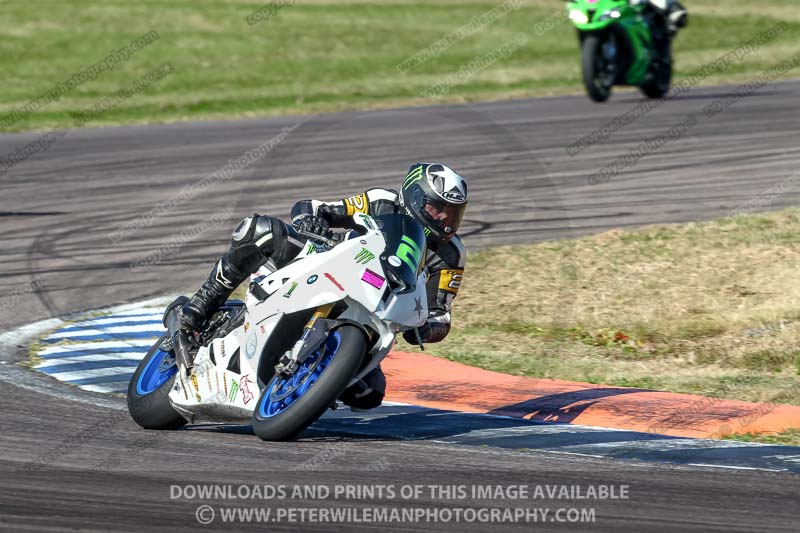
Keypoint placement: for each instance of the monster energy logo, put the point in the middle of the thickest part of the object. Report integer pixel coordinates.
(412, 177)
(234, 390)
(288, 293)
(364, 256)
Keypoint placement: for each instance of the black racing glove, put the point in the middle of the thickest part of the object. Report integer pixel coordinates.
(310, 224)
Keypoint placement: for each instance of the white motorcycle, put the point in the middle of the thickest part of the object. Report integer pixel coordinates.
(305, 333)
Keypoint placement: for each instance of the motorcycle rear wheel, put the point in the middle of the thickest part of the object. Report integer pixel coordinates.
(148, 390)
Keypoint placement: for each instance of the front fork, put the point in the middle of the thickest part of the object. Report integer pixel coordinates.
(314, 334)
(609, 53)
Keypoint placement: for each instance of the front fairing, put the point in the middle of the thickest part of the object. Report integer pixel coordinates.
(593, 15)
(405, 251)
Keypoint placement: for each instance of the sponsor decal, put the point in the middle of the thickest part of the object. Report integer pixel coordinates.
(311, 248)
(394, 261)
(311, 279)
(368, 222)
(409, 252)
(356, 204)
(364, 256)
(412, 177)
(450, 280)
(373, 279)
(225, 383)
(246, 326)
(250, 345)
(208, 378)
(194, 382)
(362, 241)
(234, 391)
(334, 281)
(288, 294)
(247, 394)
(454, 197)
(263, 329)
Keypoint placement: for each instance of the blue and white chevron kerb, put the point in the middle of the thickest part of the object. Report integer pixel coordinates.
(100, 352)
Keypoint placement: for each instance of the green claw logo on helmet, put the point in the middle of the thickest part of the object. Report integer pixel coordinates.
(436, 196)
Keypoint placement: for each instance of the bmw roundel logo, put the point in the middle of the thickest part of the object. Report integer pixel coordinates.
(312, 279)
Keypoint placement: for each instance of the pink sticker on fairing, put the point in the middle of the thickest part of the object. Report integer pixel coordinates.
(373, 279)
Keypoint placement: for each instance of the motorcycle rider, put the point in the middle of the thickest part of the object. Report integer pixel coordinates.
(433, 194)
(672, 12)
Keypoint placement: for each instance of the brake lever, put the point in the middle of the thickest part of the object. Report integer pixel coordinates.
(334, 238)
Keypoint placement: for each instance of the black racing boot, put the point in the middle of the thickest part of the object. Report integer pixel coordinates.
(222, 281)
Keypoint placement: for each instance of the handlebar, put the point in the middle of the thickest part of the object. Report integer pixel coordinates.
(331, 239)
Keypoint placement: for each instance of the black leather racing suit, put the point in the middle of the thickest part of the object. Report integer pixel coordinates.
(261, 239)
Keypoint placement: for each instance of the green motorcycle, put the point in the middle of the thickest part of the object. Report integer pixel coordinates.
(621, 44)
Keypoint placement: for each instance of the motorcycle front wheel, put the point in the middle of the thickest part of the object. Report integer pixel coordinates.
(661, 76)
(595, 69)
(288, 406)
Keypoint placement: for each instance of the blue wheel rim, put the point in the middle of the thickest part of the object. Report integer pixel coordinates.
(283, 393)
(158, 370)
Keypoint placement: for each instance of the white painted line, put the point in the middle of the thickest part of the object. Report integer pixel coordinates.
(111, 356)
(731, 467)
(24, 379)
(99, 372)
(672, 444)
(106, 345)
(17, 336)
(788, 458)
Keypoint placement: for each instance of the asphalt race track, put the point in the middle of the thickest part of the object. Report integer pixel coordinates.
(75, 461)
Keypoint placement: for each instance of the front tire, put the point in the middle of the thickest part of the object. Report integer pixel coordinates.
(287, 407)
(148, 390)
(661, 76)
(594, 69)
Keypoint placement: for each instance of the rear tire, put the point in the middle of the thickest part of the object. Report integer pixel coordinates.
(591, 63)
(319, 396)
(148, 393)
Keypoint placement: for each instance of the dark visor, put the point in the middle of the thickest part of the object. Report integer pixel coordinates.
(446, 217)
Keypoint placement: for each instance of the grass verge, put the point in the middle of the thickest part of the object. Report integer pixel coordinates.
(308, 56)
(787, 438)
(706, 308)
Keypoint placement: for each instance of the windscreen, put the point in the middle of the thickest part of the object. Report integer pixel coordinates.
(405, 250)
